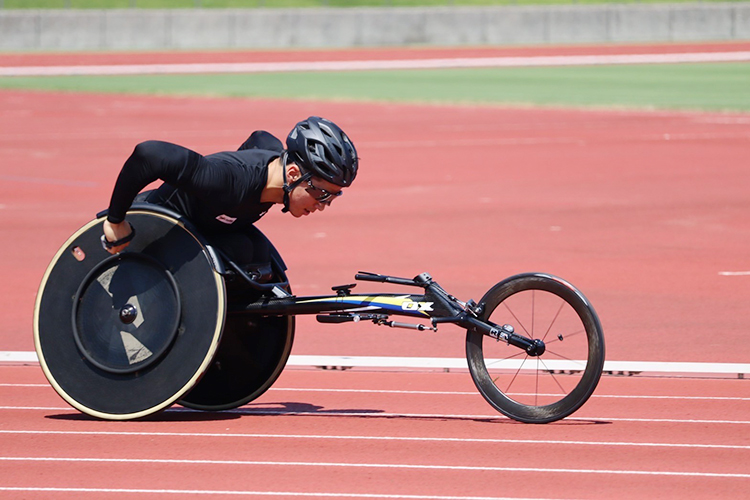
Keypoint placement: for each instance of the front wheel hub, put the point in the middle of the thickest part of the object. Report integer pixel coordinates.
(536, 348)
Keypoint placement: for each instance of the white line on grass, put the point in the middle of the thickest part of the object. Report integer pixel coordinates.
(461, 62)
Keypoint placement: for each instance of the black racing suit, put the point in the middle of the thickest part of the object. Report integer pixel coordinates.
(218, 193)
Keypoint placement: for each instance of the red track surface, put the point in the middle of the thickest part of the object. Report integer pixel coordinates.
(432, 435)
(641, 210)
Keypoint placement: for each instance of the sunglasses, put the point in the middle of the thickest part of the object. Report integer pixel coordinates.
(321, 195)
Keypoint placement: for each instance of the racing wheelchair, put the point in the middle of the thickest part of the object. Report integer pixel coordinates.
(174, 320)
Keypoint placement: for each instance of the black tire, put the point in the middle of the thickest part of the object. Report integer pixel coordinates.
(253, 352)
(544, 388)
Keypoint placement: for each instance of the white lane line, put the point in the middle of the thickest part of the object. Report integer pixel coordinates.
(455, 393)
(396, 64)
(38, 408)
(18, 357)
(460, 363)
(306, 494)
(475, 393)
(497, 416)
(377, 414)
(25, 385)
(442, 439)
(270, 463)
(734, 273)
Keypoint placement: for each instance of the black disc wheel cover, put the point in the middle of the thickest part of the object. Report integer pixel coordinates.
(126, 313)
(86, 360)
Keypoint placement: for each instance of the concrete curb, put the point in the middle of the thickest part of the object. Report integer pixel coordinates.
(147, 29)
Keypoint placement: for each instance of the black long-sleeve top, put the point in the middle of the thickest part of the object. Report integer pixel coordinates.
(218, 193)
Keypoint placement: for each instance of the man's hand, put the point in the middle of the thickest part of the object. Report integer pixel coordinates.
(115, 232)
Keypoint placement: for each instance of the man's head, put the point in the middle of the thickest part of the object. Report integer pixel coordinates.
(320, 161)
(320, 147)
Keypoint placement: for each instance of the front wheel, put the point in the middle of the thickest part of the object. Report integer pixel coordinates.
(549, 387)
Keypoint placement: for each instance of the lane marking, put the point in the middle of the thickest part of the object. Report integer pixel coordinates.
(395, 64)
(454, 393)
(379, 414)
(475, 393)
(25, 385)
(37, 408)
(692, 137)
(495, 141)
(258, 493)
(734, 273)
(378, 438)
(457, 393)
(460, 363)
(478, 468)
(496, 416)
(52, 182)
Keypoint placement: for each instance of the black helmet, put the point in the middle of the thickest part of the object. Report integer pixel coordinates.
(320, 147)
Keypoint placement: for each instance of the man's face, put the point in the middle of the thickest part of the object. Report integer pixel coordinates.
(306, 197)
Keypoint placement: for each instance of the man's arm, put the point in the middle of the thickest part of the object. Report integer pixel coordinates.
(173, 164)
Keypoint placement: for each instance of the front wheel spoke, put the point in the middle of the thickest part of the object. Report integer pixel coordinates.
(564, 337)
(553, 376)
(519, 353)
(507, 389)
(516, 318)
(559, 310)
(577, 361)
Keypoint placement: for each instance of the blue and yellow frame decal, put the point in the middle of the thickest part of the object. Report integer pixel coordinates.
(410, 305)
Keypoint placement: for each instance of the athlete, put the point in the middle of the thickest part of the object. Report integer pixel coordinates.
(225, 193)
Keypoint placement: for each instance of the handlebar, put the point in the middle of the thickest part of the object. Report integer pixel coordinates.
(421, 281)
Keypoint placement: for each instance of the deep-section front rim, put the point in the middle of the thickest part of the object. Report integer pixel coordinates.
(575, 305)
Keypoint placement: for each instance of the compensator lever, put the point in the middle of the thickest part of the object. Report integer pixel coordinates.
(345, 317)
(413, 326)
(378, 319)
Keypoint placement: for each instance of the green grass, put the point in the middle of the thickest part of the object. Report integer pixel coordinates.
(710, 86)
(172, 4)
